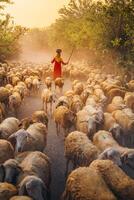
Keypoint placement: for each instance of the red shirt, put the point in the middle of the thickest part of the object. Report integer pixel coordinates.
(57, 67)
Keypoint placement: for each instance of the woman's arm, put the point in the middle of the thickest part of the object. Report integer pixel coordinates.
(64, 63)
(53, 61)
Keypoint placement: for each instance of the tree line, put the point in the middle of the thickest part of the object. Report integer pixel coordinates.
(9, 34)
(100, 27)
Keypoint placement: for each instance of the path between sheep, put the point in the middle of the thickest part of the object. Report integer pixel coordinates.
(55, 145)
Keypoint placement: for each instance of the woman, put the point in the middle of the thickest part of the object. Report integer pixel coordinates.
(57, 64)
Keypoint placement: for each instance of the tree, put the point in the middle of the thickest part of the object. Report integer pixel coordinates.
(9, 33)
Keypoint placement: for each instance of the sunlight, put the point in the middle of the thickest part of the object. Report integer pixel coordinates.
(35, 13)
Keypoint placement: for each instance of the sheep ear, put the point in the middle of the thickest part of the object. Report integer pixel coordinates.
(22, 190)
(124, 157)
(2, 173)
(29, 136)
(12, 137)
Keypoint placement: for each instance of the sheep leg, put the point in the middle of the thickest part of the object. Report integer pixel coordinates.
(46, 107)
(51, 105)
(57, 127)
(74, 165)
(67, 166)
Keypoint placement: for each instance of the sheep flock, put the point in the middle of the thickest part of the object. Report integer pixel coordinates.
(94, 118)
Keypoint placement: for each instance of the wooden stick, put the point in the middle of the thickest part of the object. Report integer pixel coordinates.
(71, 54)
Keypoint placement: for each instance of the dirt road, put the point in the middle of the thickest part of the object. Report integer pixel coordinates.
(55, 145)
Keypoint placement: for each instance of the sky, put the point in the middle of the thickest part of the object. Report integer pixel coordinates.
(35, 13)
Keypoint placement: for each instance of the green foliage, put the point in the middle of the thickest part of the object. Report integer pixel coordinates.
(9, 33)
(96, 25)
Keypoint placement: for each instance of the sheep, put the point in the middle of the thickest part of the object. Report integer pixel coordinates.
(36, 84)
(6, 151)
(78, 88)
(102, 180)
(34, 188)
(20, 198)
(21, 90)
(112, 126)
(69, 94)
(9, 87)
(74, 83)
(2, 112)
(40, 116)
(118, 182)
(26, 122)
(76, 104)
(84, 95)
(129, 113)
(91, 100)
(59, 82)
(86, 183)
(15, 102)
(7, 191)
(115, 92)
(129, 100)
(4, 95)
(86, 123)
(28, 82)
(123, 120)
(64, 117)
(111, 154)
(48, 97)
(63, 101)
(79, 149)
(32, 139)
(30, 169)
(15, 80)
(100, 95)
(97, 113)
(104, 140)
(131, 85)
(8, 127)
(48, 82)
(116, 104)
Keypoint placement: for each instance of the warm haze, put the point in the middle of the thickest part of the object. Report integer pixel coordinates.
(35, 13)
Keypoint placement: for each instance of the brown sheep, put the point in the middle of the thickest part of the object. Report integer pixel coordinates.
(79, 149)
(103, 180)
(4, 95)
(48, 82)
(7, 191)
(131, 85)
(86, 183)
(59, 82)
(115, 92)
(32, 139)
(6, 151)
(76, 104)
(129, 100)
(20, 198)
(104, 140)
(40, 116)
(63, 117)
(78, 88)
(123, 120)
(30, 169)
(15, 102)
(112, 126)
(86, 123)
(48, 98)
(8, 127)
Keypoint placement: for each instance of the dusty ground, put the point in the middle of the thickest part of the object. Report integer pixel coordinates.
(55, 145)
